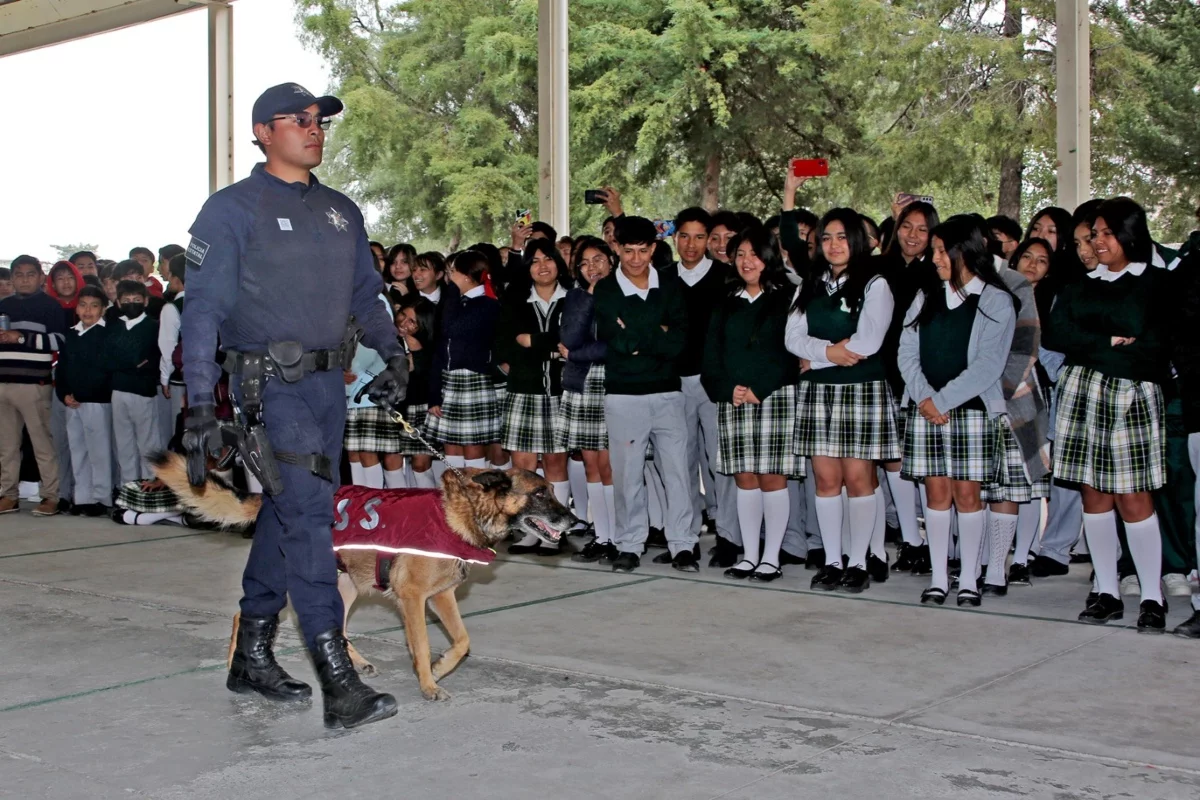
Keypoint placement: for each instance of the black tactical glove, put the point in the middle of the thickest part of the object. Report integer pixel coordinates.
(389, 386)
(201, 438)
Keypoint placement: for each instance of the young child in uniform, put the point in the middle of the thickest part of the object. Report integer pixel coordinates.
(131, 357)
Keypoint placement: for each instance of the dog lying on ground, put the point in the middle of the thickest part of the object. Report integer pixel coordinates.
(475, 512)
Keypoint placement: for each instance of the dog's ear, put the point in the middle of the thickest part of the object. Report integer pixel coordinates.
(493, 480)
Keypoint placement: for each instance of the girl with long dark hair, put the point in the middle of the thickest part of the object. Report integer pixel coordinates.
(750, 375)
(1113, 328)
(953, 351)
(397, 271)
(527, 339)
(579, 424)
(845, 419)
(415, 322)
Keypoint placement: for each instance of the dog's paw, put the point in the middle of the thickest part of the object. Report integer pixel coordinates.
(436, 693)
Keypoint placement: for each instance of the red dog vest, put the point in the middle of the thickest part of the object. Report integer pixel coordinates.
(392, 521)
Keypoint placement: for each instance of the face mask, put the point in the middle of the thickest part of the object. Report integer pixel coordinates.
(132, 310)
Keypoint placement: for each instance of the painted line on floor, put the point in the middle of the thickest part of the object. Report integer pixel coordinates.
(747, 586)
(125, 685)
(527, 603)
(111, 544)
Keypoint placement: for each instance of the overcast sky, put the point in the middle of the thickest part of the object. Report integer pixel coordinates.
(106, 138)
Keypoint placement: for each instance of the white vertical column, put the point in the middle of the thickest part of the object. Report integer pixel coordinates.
(554, 179)
(1073, 54)
(220, 97)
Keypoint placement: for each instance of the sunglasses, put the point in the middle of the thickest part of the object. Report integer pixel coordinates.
(305, 119)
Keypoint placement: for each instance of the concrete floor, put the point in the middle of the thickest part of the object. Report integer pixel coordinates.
(583, 684)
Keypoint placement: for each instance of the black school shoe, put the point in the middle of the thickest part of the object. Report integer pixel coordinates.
(742, 570)
(595, 551)
(685, 561)
(760, 576)
(1153, 617)
(1018, 575)
(905, 554)
(827, 579)
(1047, 567)
(1189, 629)
(725, 553)
(786, 558)
(995, 591)
(626, 562)
(877, 567)
(656, 538)
(1106, 609)
(967, 597)
(815, 559)
(854, 580)
(921, 563)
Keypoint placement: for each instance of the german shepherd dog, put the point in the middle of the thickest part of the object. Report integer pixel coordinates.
(483, 507)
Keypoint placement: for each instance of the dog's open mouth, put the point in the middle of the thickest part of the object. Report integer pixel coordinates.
(544, 528)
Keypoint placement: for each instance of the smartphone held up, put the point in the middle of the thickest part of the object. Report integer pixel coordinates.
(810, 167)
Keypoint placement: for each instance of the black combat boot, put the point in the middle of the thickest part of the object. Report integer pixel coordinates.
(348, 701)
(254, 668)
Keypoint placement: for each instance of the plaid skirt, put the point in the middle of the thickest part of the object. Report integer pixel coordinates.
(415, 414)
(132, 498)
(368, 430)
(529, 423)
(758, 438)
(846, 420)
(579, 424)
(470, 414)
(1010, 479)
(963, 450)
(1109, 433)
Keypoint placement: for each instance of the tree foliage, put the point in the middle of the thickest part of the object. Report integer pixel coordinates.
(66, 250)
(678, 102)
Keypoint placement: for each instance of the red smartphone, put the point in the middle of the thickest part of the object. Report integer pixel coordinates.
(810, 167)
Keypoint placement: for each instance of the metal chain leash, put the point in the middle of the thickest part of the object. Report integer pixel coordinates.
(399, 419)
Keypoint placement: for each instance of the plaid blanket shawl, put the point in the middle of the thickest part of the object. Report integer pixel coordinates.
(1027, 409)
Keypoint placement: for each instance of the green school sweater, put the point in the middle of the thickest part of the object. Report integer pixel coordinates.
(131, 357)
(642, 358)
(745, 347)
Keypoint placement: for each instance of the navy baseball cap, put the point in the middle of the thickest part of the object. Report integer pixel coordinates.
(288, 98)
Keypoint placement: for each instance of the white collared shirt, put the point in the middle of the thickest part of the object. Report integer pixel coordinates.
(478, 291)
(874, 319)
(1102, 272)
(955, 298)
(129, 323)
(745, 295)
(559, 294)
(434, 297)
(78, 326)
(696, 274)
(627, 287)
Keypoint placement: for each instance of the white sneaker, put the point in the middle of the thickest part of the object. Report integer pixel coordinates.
(1176, 585)
(1131, 585)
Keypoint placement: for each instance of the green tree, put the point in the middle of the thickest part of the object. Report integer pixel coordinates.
(66, 250)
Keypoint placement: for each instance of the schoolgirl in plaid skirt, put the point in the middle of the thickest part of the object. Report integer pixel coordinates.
(415, 321)
(462, 399)
(527, 340)
(954, 347)
(579, 424)
(844, 418)
(749, 374)
(370, 434)
(1113, 329)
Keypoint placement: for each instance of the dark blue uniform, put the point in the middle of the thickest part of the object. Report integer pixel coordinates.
(269, 262)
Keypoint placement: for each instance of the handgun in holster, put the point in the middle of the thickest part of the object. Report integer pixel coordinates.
(248, 434)
(350, 339)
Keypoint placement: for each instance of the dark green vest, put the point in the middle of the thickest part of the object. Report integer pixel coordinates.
(829, 319)
(945, 340)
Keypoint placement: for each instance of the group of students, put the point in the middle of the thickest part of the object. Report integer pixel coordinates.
(90, 383)
(815, 370)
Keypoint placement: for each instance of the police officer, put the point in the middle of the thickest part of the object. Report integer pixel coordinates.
(277, 265)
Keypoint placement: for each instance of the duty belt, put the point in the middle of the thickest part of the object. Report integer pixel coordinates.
(311, 361)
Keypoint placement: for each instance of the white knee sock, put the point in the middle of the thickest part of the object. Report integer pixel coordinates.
(456, 461)
(357, 477)
(750, 519)
(879, 532)
(1029, 519)
(476, 463)
(610, 507)
(394, 479)
(1001, 530)
(829, 518)
(970, 540)
(562, 491)
(580, 497)
(1145, 545)
(937, 533)
(507, 465)
(905, 497)
(134, 518)
(595, 501)
(1101, 532)
(373, 476)
(863, 511)
(425, 480)
(776, 511)
(846, 547)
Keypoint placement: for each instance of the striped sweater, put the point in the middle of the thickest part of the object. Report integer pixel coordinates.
(41, 319)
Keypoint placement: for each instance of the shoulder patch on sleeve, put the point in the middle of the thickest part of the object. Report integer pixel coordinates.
(196, 251)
